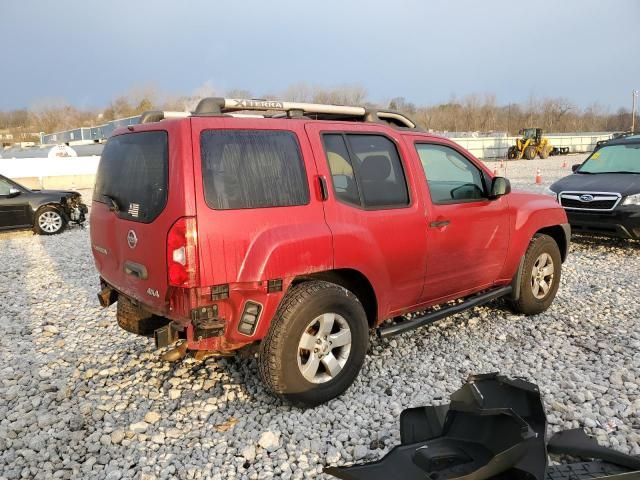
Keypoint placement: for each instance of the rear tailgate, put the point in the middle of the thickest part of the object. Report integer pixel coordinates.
(142, 173)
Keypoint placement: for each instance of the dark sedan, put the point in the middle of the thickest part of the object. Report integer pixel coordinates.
(602, 196)
(46, 211)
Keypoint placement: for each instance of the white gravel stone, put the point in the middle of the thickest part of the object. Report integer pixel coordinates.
(270, 441)
(139, 427)
(249, 453)
(81, 396)
(117, 436)
(152, 417)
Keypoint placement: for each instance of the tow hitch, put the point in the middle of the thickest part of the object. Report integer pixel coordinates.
(107, 296)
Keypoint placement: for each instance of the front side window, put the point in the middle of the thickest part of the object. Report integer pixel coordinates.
(451, 177)
(252, 169)
(366, 170)
(5, 187)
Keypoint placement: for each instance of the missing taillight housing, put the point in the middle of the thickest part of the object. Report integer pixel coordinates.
(182, 253)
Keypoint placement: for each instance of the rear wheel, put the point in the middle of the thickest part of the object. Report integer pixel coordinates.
(316, 344)
(544, 153)
(530, 152)
(512, 153)
(49, 221)
(540, 277)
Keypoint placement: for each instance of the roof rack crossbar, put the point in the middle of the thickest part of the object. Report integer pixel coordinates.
(157, 115)
(231, 106)
(218, 105)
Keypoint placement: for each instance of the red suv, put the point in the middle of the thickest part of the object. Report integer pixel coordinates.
(304, 227)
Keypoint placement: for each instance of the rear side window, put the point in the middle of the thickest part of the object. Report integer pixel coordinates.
(252, 169)
(133, 172)
(366, 170)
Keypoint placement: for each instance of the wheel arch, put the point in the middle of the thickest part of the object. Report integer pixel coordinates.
(51, 204)
(354, 281)
(562, 235)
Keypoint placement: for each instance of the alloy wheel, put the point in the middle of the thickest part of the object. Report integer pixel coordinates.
(324, 348)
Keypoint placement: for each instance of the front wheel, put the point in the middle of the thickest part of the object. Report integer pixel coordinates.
(49, 221)
(316, 344)
(530, 152)
(540, 277)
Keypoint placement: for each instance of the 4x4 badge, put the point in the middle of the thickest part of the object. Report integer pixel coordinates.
(132, 239)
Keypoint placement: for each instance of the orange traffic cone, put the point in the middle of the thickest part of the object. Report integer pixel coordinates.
(564, 163)
(501, 163)
(495, 171)
(538, 177)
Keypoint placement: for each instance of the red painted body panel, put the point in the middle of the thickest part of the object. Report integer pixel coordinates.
(528, 214)
(109, 232)
(388, 246)
(409, 264)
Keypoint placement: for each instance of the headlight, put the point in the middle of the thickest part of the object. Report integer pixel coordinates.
(632, 200)
(548, 191)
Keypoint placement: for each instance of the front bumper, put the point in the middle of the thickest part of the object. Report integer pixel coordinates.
(78, 213)
(623, 222)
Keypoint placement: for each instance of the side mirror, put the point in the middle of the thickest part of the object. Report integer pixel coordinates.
(575, 166)
(499, 186)
(14, 192)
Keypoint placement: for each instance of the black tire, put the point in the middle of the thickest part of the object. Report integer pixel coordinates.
(530, 152)
(544, 153)
(280, 353)
(49, 221)
(512, 153)
(529, 303)
(135, 319)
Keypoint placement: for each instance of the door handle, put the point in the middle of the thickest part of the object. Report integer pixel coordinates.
(439, 223)
(324, 191)
(135, 269)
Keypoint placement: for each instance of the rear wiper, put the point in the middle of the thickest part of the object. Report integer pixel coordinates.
(114, 205)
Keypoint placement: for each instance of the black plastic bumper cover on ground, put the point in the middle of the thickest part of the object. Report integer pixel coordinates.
(493, 429)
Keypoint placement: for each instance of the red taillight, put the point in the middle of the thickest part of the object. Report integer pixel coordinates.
(182, 253)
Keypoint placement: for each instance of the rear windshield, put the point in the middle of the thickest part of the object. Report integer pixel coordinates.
(252, 169)
(133, 174)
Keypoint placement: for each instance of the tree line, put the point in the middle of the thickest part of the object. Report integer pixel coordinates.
(472, 113)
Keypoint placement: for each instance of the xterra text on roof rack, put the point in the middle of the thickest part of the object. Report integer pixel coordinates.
(303, 227)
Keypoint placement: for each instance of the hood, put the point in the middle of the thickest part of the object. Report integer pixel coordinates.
(57, 192)
(623, 183)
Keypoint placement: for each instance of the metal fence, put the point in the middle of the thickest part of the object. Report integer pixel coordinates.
(100, 132)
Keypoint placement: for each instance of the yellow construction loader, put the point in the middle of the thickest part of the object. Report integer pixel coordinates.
(531, 144)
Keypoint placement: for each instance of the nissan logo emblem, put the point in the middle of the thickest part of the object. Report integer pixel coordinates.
(586, 198)
(132, 239)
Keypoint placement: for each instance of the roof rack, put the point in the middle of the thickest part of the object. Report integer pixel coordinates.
(319, 111)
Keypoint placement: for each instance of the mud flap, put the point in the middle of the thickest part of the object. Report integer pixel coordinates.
(494, 428)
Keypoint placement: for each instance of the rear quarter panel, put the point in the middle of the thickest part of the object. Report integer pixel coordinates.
(247, 247)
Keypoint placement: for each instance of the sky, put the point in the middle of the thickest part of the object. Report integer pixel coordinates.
(87, 52)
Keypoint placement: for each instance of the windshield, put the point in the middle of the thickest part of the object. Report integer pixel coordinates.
(613, 159)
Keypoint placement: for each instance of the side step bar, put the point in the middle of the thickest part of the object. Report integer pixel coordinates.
(431, 317)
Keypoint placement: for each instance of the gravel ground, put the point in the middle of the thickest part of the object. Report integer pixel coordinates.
(80, 398)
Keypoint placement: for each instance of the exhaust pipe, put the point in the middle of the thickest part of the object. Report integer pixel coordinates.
(107, 296)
